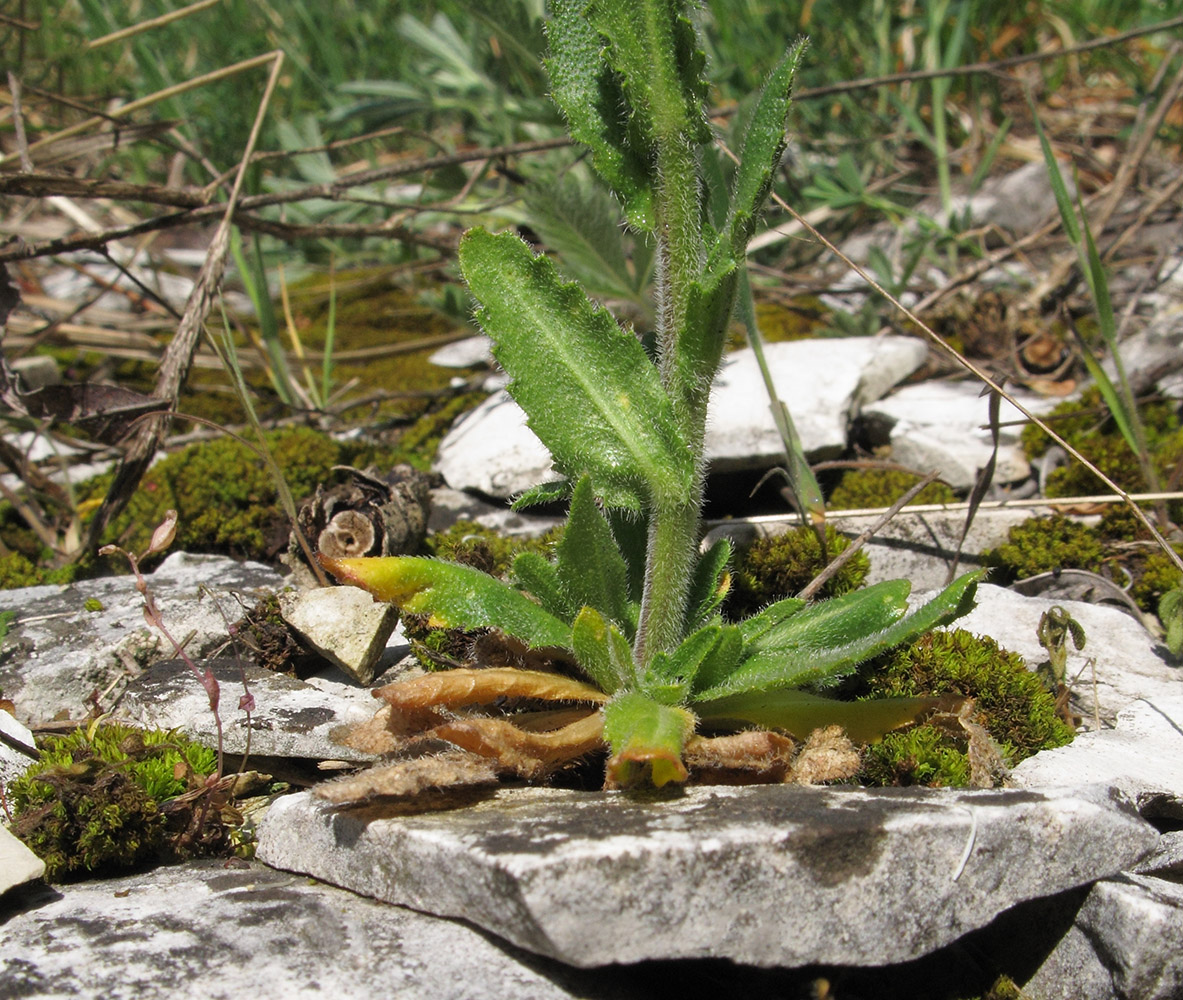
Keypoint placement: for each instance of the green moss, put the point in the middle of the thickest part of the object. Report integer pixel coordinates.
(1009, 701)
(1046, 544)
(105, 800)
(418, 443)
(859, 489)
(1158, 574)
(780, 566)
(92, 604)
(17, 570)
(1086, 425)
(473, 545)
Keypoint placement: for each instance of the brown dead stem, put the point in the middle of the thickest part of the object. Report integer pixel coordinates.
(528, 755)
(455, 688)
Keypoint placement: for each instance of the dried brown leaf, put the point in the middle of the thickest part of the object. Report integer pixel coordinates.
(828, 755)
(527, 754)
(753, 757)
(455, 688)
(409, 779)
(389, 729)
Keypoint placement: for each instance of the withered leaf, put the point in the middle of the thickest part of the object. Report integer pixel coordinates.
(407, 779)
(828, 755)
(529, 755)
(753, 757)
(106, 412)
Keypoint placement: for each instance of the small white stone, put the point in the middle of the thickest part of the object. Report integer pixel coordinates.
(344, 624)
(18, 864)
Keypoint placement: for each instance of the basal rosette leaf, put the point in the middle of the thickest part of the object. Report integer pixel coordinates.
(828, 640)
(602, 652)
(710, 584)
(801, 712)
(589, 565)
(589, 390)
(453, 596)
(646, 739)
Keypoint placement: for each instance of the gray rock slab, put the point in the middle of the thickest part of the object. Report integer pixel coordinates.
(1153, 357)
(943, 427)
(291, 718)
(344, 624)
(768, 876)
(17, 748)
(1144, 752)
(1126, 944)
(825, 382)
(1119, 664)
(917, 546)
(203, 930)
(18, 864)
(58, 653)
(467, 353)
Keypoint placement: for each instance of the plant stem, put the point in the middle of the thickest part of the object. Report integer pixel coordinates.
(674, 523)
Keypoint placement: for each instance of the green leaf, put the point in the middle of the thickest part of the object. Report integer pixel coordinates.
(710, 584)
(669, 676)
(828, 640)
(453, 596)
(588, 388)
(602, 652)
(771, 617)
(647, 739)
(654, 49)
(581, 222)
(552, 492)
(533, 572)
(590, 568)
(721, 661)
(1170, 611)
(799, 712)
(763, 144)
(589, 95)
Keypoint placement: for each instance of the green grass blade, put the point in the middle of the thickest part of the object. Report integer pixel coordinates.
(589, 390)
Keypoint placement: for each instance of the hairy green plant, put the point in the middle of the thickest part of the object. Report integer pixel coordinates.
(629, 597)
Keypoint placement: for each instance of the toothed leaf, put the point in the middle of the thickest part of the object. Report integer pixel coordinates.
(588, 92)
(589, 390)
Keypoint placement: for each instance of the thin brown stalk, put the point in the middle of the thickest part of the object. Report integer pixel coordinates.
(144, 102)
(178, 358)
(985, 378)
(847, 553)
(18, 123)
(148, 25)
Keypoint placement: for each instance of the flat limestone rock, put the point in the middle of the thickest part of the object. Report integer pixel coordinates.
(943, 427)
(1126, 944)
(17, 748)
(344, 624)
(58, 653)
(1119, 664)
(291, 718)
(825, 382)
(766, 876)
(203, 930)
(1144, 751)
(18, 864)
